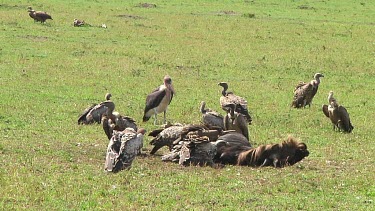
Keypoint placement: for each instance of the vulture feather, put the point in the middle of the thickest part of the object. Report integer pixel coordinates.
(159, 100)
(230, 98)
(305, 92)
(38, 15)
(122, 149)
(165, 136)
(115, 121)
(94, 113)
(338, 115)
(235, 121)
(210, 118)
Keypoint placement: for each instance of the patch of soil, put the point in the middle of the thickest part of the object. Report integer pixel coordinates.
(147, 5)
(130, 16)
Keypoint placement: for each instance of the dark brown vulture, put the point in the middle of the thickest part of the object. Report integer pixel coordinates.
(122, 149)
(280, 155)
(193, 150)
(338, 115)
(158, 100)
(94, 113)
(211, 119)
(230, 98)
(165, 136)
(38, 15)
(305, 92)
(78, 23)
(236, 121)
(229, 146)
(116, 122)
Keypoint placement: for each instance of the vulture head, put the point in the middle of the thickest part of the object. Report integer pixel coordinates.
(108, 96)
(317, 76)
(225, 87)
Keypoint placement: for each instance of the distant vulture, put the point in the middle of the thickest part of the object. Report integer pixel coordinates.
(280, 155)
(158, 100)
(230, 98)
(78, 23)
(229, 146)
(94, 113)
(211, 118)
(38, 15)
(338, 115)
(165, 136)
(122, 149)
(116, 122)
(236, 121)
(305, 92)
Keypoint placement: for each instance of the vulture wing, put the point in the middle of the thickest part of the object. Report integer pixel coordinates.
(82, 117)
(344, 122)
(325, 110)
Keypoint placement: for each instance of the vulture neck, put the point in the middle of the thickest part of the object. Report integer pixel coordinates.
(202, 108)
(225, 88)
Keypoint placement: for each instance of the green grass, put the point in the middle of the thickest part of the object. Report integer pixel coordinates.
(52, 72)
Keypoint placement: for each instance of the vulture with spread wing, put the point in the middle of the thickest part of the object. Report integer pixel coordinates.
(122, 149)
(305, 92)
(210, 118)
(38, 15)
(230, 98)
(159, 100)
(338, 115)
(94, 113)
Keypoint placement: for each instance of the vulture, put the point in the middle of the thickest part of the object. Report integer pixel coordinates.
(158, 100)
(280, 155)
(338, 115)
(230, 98)
(229, 146)
(305, 92)
(165, 136)
(116, 122)
(211, 119)
(78, 23)
(235, 121)
(94, 113)
(122, 149)
(193, 150)
(38, 15)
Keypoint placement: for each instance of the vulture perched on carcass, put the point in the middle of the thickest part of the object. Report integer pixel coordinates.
(235, 121)
(38, 15)
(122, 149)
(158, 100)
(338, 115)
(165, 136)
(229, 146)
(210, 118)
(280, 155)
(230, 98)
(94, 113)
(117, 122)
(305, 92)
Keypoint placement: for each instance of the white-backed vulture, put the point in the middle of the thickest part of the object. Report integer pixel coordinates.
(94, 113)
(305, 92)
(229, 146)
(165, 136)
(338, 115)
(280, 155)
(158, 100)
(235, 121)
(230, 98)
(115, 121)
(38, 15)
(78, 23)
(211, 118)
(122, 149)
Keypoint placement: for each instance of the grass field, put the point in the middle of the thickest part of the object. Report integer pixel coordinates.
(51, 72)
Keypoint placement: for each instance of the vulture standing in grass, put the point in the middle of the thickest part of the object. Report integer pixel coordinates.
(210, 118)
(230, 98)
(94, 113)
(338, 115)
(229, 146)
(158, 100)
(115, 121)
(165, 136)
(38, 15)
(122, 149)
(305, 92)
(235, 121)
